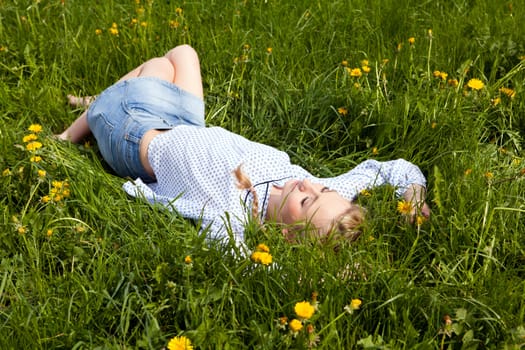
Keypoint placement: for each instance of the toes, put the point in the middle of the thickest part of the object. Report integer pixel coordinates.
(76, 101)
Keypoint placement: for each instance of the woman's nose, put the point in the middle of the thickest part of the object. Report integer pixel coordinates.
(306, 185)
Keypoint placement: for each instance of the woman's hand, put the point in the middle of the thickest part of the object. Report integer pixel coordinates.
(415, 194)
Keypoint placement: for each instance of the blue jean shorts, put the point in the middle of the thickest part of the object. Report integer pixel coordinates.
(125, 111)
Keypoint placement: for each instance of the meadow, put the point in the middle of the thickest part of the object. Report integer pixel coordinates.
(332, 83)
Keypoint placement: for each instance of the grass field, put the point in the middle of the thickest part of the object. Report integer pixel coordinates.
(439, 83)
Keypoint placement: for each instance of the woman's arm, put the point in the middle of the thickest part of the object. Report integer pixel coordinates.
(416, 195)
(406, 177)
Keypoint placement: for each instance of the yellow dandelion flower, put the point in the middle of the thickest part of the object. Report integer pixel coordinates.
(35, 159)
(178, 11)
(57, 184)
(283, 320)
(509, 92)
(357, 85)
(475, 84)
(21, 230)
(41, 173)
(304, 310)
(453, 82)
(114, 29)
(355, 304)
(468, 172)
(364, 62)
(495, 101)
(343, 111)
(36, 128)
(33, 146)
(134, 21)
(489, 175)
(399, 47)
(98, 31)
(256, 257)
(174, 24)
(344, 63)
(269, 50)
(365, 193)
(188, 260)
(49, 233)
(433, 125)
(45, 199)
(144, 24)
(443, 76)
(6, 172)
(430, 33)
(436, 73)
(411, 40)
(261, 247)
(420, 220)
(29, 138)
(366, 69)
(375, 151)
(295, 325)
(263, 258)
(140, 11)
(355, 72)
(180, 343)
(266, 258)
(404, 207)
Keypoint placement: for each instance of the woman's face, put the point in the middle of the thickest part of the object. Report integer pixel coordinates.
(299, 202)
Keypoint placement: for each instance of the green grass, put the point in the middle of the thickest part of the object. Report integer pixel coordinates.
(99, 269)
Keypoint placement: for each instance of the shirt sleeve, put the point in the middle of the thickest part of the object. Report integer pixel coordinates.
(398, 173)
(213, 222)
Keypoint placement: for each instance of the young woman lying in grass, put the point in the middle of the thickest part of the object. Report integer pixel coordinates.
(150, 126)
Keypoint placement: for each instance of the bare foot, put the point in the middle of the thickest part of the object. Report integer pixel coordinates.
(82, 101)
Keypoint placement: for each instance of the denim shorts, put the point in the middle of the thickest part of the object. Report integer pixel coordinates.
(125, 111)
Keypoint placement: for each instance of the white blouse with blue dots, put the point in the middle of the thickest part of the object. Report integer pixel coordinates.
(194, 170)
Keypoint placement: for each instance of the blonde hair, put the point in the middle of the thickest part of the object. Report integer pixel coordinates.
(244, 183)
(348, 226)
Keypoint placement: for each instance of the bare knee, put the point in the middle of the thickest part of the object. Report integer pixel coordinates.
(183, 53)
(159, 67)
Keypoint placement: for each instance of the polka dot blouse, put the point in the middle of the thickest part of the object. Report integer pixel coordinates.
(194, 170)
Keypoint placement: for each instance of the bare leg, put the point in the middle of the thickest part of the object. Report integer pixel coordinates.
(187, 69)
(179, 66)
(77, 131)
